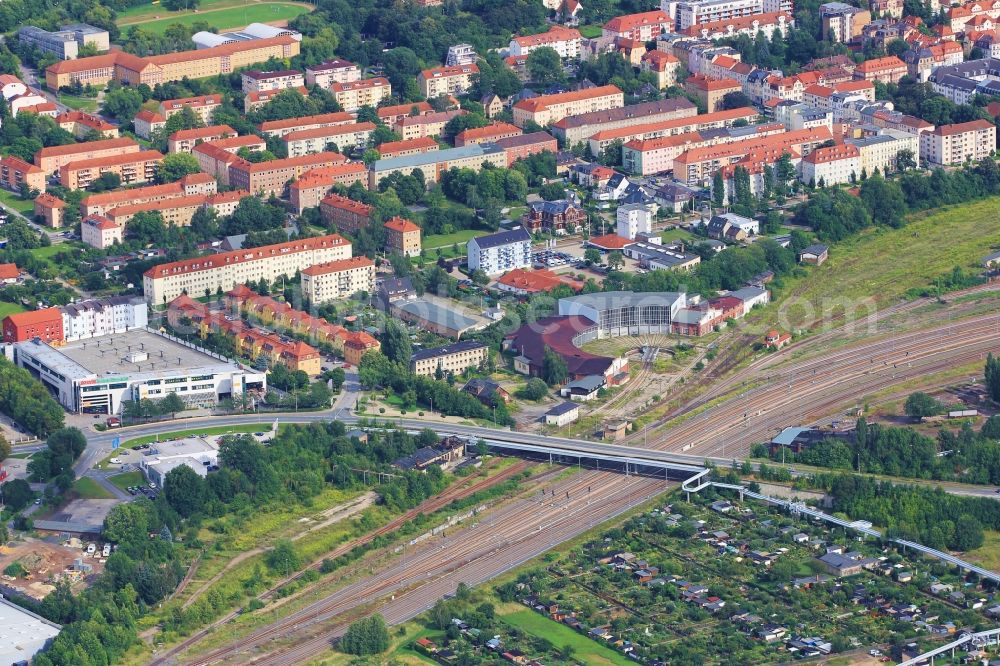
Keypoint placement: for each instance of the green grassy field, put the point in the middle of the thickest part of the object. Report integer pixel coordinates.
(46, 253)
(223, 15)
(585, 650)
(675, 234)
(86, 488)
(883, 264)
(447, 240)
(194, 432)
(9, 309)
(987, 555)
(590, 31)
(79, 103)
(14, 202)
(127, 480)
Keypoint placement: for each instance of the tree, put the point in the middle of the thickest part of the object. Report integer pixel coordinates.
(718, 190)
(122, 103)
(16, 494)
(5, 448)
(184, 490)
(906, 160)
(366, 636)
(545, 66)
(283, 559)
(615, 260)
(105, 182)
(396, 343)
(919, 405)
(554, 369)
(993, 377)
(171, 404)
(736, 100)
(175, 166)
(535, 389)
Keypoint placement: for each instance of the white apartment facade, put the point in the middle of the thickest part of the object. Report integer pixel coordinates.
(438, 81)
(955, 144)
(565, 42)
(258, 81)
(500, 252)
(327, 73)
(95, 317)
(832, 165)
(634, 219)
(687, 13)
(161, 284)
(366, 92)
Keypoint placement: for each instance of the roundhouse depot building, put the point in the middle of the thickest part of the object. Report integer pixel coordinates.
(95, 376)
(623, 313)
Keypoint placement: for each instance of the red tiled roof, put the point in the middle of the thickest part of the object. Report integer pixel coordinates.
(115, 160)
(444, 72)
(544, 101)
(337, 117)
(403, 109)
(402, 225)
(73, 148)
(9, 271)
(610, 241)
(709, 83)
(495, 129)
(530, 281)
(201, 133)
(338, 266)
(32, 317)
(335, 130)
(632, 21)
(961, 128)
(555, 34)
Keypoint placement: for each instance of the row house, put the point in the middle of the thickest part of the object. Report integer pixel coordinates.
(52, 158)
(427, 125)
(406, 147)
(392, 114)
(15, 173)
(652, 130)
(524, 145)
(881, 151)
(572, 130)
(345, 214)
(656, 155)
(178, 212)
(279, 128)
(338, 280)
(641, 27)
(488, 134)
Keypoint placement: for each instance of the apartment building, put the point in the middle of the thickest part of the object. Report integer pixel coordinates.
(184, 141)
(676, 127)
(768, 24)
(574, 129)
(426, 125)
(165, 282)
(434, 163)
(500, 252)
(146, 122)
(215, 157)
(132, 168)
(843, 23)
(365, 92)
(710, 92)
(65, 43)
(197, 64)
(267, 178)
(337, 280)
(641, 27)
(190, 185)
(345, 214)
(15, 172)
(439, 81)
(329, 72)
(696, 167)
(257, 81)
(254, 100)
(881, 151)
(921, 61)
(455, 358)
(957, 144)
(53, 158)
(832, 165)
(45, 324)
(95, 317)
(392, 114)
(100, 232)
(663, 66)
(460, 54)
(279, 128)
(565, 42)
(523, 145)
(548, 109)
(687, 13)
(81, 125)
(402, 237)
(51, 210)
(203, 106)
(886, 70)
(344, 138)
(488, 134)
(313, 185)
(179, 211)
(424, 144)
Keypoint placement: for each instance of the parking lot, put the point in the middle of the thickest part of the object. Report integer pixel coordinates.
(554, 259)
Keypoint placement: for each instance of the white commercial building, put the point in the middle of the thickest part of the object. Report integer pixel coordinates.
(96, 317)
(194, 452)
(500, 252)
(22, 633)
(96, 375)
(635, 219)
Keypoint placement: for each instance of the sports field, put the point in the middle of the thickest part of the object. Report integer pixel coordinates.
(220, 14)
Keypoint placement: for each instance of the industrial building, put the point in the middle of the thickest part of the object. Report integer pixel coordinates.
(207, 40)
(65, 43)
(194, 452)
(22, 633)
(96, 375)
(622, 313)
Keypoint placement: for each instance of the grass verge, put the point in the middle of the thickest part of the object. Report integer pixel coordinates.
(447, 240)
(195, 432)
(87, 488)
(127, 480)
(24, 206)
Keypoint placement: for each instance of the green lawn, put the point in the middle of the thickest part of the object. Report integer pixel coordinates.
(79, 103)
(9, 309)
(46, 253)
(585, 650)
(194, 432)
(24, 206)
(223, 18)
(883, 264)
(127, 480)
(87, 488)
(590, 31)
(987, 555)
(447, 240)
(675, 234)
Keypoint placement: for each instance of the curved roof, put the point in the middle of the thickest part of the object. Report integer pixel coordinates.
(557, 333)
